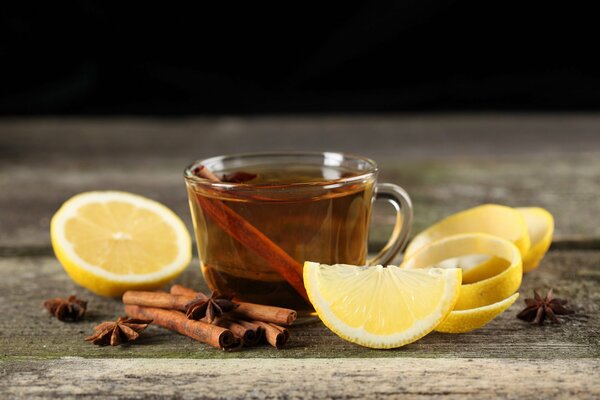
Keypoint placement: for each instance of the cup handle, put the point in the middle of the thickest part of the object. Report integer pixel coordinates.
(398, 197)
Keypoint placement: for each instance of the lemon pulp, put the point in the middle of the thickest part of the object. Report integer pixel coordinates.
(381, 307)
(111, 241)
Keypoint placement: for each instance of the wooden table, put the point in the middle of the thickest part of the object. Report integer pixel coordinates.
(446, 162)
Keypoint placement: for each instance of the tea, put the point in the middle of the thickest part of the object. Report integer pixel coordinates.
(304, 209)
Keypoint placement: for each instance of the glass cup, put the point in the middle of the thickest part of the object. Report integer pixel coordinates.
(255, 233)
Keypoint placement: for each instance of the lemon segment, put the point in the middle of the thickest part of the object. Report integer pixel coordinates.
(467, 320)
(110, 242)
(540, 225)
(381, 307)
(480, 293)
(492, 219)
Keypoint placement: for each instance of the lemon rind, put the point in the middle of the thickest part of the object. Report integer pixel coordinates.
(427, 236)
(486, 291)
(538, 249)
(478, 317)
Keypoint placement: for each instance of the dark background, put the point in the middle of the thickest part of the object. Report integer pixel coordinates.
(171, 58)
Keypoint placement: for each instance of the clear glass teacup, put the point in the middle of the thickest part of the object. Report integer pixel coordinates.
(258, 217)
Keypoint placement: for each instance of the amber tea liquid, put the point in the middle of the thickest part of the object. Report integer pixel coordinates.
(325, 222)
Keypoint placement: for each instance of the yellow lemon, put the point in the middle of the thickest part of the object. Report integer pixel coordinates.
(486, 291)
(476, 267)
(110, 242)
(540, 225)
(381, 307)
(493, 219)
(462, 321)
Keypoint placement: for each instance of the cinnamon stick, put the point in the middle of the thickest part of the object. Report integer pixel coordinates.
(259, 312)
(248, 311)
(156, 299)
(248, 332)
(275, 335)
(180, 290)
(213, 335)
(247, 234)
(206, 173)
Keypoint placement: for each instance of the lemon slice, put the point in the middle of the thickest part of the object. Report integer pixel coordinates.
(462, 321)
(486, 291)
(110, 242)
(381, 307)
(492, 219)
(540, 224)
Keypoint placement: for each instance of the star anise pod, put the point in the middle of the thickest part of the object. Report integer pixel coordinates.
(71, 309)
(539, 308)
(209, 308)
(114, 333)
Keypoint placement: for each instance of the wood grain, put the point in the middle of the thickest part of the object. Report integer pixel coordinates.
(446, 162)
(28, 332)
(350, 378)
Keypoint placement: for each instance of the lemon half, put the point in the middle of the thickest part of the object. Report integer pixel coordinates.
(381, 307)
(110, 242)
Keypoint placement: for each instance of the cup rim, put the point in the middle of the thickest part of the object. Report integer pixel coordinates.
(327, 184)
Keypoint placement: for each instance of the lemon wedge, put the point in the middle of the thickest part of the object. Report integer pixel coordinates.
(483, 292)
(110, 242)
(462, 321)
(493, 219)
(381, 307)
(540, 225)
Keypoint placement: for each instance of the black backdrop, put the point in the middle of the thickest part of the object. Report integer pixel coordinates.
(175, 58)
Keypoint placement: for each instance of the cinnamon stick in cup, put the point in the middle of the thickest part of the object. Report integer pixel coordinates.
(247, 234)
(249, 311)
(213, 335)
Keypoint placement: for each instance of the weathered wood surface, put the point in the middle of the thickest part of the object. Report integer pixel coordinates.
(350, 378)
(447, 163)
(28, 332)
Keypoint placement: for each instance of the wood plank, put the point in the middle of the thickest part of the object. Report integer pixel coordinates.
(446, 162)
(419, 136)
(408, 378)
(26, 331)
(568, 186)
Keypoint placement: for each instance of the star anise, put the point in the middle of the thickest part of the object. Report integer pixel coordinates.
(71, 309)
(209, 308)
(539, 308)
(114, 333)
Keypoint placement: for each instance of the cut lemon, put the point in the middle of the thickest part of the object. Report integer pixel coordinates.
(381, 307)
(462, 321)
(540, 224)
(493, 219)
(110, 242)
(486, 291)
